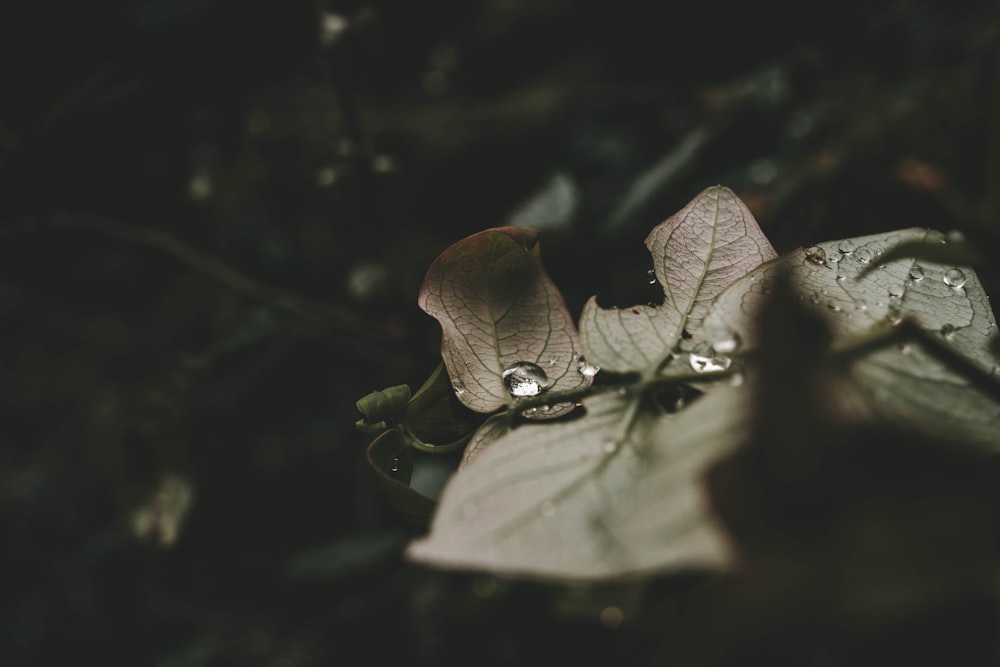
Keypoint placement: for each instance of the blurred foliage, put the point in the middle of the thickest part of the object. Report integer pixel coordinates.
(336, 172)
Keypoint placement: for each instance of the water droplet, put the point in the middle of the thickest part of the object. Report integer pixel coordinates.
(727, 343)
(841, 275)
(547, 508)
(948, 331)
(834, 307)
(954, 278)
(846, 246)
(469, 510)
(525, 379)
(395, 465)
(705, 359)
(587, 369)
(609, 447)
(651, 276)
(459, 388)
(916, 274)
(865, 255)
(895, 291)
(816, 255)
(531, 412)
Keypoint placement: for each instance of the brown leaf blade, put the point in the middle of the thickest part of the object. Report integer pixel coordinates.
(497, 308)
(697, 253)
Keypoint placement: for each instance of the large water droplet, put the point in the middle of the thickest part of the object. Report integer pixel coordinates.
(954, 278)
(525, 379)
(587, 369)
(916, 274)
(846, 246)
(865, 255)
(706, 359)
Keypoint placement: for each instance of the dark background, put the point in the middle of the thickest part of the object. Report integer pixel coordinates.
(335, 173)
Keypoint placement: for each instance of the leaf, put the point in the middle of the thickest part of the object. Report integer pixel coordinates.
(697, 253)
(614, 494)
(498, 308)
(905, 382)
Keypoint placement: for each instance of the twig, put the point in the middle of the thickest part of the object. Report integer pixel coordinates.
(212, 267)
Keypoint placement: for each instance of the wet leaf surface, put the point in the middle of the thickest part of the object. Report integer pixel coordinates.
(697, 253)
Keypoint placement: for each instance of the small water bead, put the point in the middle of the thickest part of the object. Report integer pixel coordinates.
(651, 276)
(525, 379)
(895, 291)
(458, 387)
(706, 359)
(587, 369)
(395, 465)
(841, 275)
(916, 274)
(865, 255)
(948, 331)
(954, 278)
(834, 307)
(547, 508)
(846, 246)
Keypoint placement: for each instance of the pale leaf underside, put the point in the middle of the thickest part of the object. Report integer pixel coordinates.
(614, 494)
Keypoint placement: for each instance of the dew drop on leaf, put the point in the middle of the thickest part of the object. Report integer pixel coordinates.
(916, 273)
(896, 291)
(846, 246)
(587, 369)
(651, 276)
(705, 359)
(954, 278)
(727, 342)
(525, 379)
(948, 331)
(865, 255)
(395, 465)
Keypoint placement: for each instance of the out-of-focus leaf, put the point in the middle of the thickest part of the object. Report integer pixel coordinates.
(905, 382)
(391, 458)
(615, 494)
(697, 253)
(550, 208)
(500, 312)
